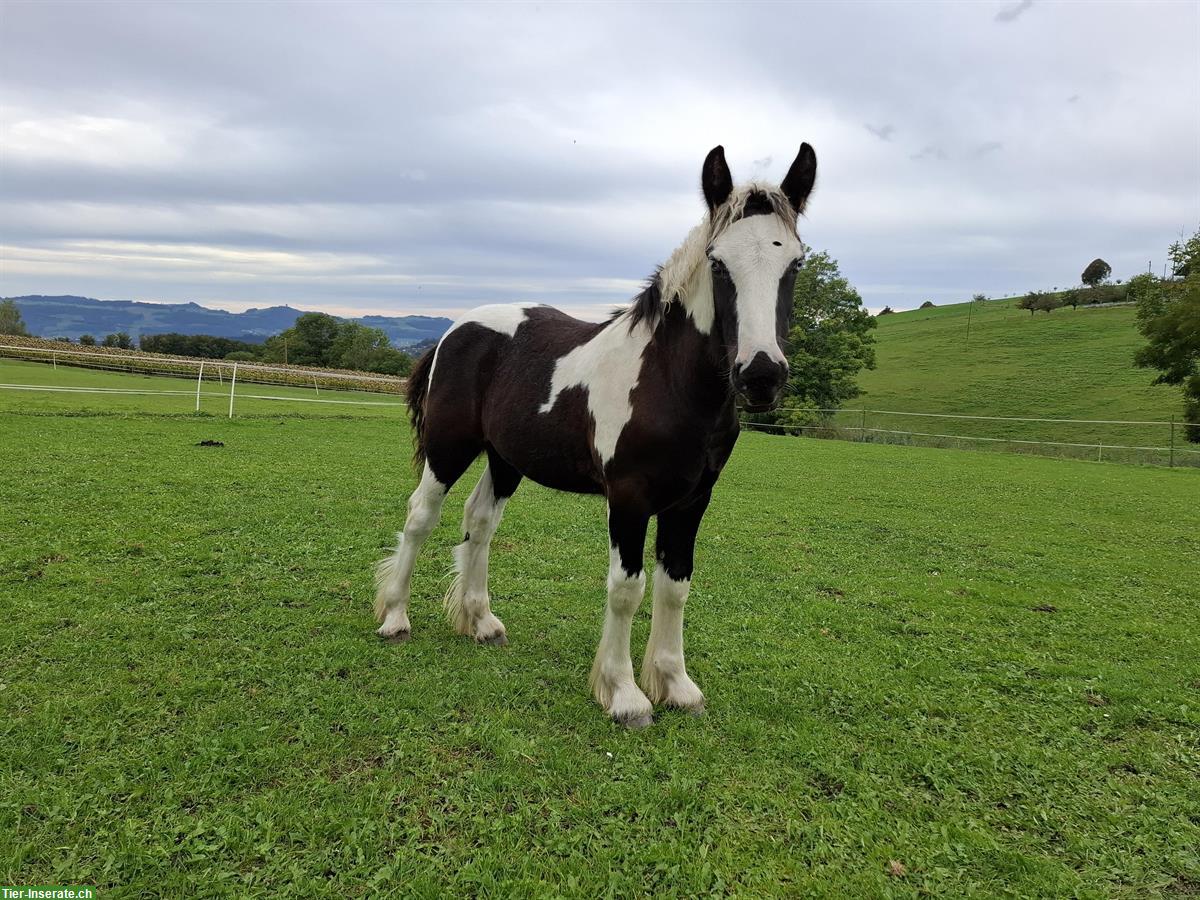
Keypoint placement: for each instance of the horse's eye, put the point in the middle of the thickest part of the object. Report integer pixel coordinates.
(777, 243)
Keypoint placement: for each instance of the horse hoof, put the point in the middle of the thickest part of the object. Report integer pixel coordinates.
(637, 723)
(496, 640)
(398, 638)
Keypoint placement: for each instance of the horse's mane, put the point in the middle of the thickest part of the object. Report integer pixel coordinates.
(682, 277)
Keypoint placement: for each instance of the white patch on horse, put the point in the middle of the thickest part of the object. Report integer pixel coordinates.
(612, 671)
(505, 318)
(393, 576)
(685, 276)
(664, 675)
(607, 366)
(467, 604)
(757, 250)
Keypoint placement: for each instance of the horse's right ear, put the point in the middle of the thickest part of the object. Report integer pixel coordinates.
(715, 178)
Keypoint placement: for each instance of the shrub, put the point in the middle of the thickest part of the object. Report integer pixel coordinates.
(928, 304)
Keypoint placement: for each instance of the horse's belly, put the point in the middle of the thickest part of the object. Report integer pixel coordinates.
(555, 457)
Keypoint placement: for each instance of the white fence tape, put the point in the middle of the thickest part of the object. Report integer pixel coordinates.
(197, 393)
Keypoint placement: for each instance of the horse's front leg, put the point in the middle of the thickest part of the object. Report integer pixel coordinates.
(664, 676)
(612, 672)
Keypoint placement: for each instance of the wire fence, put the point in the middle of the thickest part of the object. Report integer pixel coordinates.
(108, 359)
(1144, 442)
(220, 386)
(214, 380)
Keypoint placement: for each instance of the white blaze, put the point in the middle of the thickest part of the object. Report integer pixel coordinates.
(748, 250)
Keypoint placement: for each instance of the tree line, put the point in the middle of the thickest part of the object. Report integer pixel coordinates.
(315, 339)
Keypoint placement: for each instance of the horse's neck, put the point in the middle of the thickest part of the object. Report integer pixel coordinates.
(692, 361)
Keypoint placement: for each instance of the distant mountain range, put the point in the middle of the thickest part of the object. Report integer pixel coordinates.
(52, 317)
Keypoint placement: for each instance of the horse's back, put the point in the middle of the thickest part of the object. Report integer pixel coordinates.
(491, 374)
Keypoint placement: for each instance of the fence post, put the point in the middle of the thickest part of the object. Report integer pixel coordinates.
(232, 385)
(199, 378)
(54, 359)
(315, 388)
(1100, 453)
(862, 427)
(1172, 463)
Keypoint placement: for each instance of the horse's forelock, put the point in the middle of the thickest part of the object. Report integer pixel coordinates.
(677, 275)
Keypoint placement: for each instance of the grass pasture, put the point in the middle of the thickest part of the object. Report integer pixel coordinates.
(1067, 364)
(983, 667)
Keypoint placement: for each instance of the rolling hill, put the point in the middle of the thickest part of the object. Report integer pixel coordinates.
(1067, 364)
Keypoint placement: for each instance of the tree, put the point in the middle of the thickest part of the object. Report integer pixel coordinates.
(886, 311)
(1038, 300)
(10, 319)
(1047, 302)
(1185, 256)
(308, 342)
(1169, 318)
(1097, 272)
(63, 340)
(1072, 298)
(355, 346)
(980, 298)
(87, 340)
(121, 340)
(829, 344)
(928, 304)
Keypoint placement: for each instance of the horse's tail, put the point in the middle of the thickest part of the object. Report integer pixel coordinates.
(418, 388)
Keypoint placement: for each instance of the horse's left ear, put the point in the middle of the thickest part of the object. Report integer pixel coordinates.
(715, 179)
(800, 177)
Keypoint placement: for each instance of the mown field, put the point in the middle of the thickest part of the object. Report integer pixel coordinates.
(927, 672)
(98, 392)
(1068, 364)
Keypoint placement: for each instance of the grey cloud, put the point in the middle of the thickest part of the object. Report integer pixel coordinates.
(1011, 13)
(419, 158)
(985, 148)
(930, 151)
(1074, 98)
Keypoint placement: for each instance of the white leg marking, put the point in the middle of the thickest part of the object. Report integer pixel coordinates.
(467, 604)
(393, 576)
(612, 672)
(664, 677)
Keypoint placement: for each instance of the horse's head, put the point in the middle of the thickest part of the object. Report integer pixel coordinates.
(755, 255)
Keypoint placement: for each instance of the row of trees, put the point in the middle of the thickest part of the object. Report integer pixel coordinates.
(202, 346)
(316, 339)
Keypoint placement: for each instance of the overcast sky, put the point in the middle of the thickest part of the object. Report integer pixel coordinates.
(403, 158)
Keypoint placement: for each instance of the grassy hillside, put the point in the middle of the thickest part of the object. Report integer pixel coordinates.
(1072, 364)
(980, 666)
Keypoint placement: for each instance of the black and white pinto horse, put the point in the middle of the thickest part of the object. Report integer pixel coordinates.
(640, 408)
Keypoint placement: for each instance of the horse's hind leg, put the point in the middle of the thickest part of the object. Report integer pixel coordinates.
(468, 606)
(393, 576)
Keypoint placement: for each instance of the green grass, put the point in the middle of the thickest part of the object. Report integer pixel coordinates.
(1072, 364)
(214, 394)
(983, 666)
